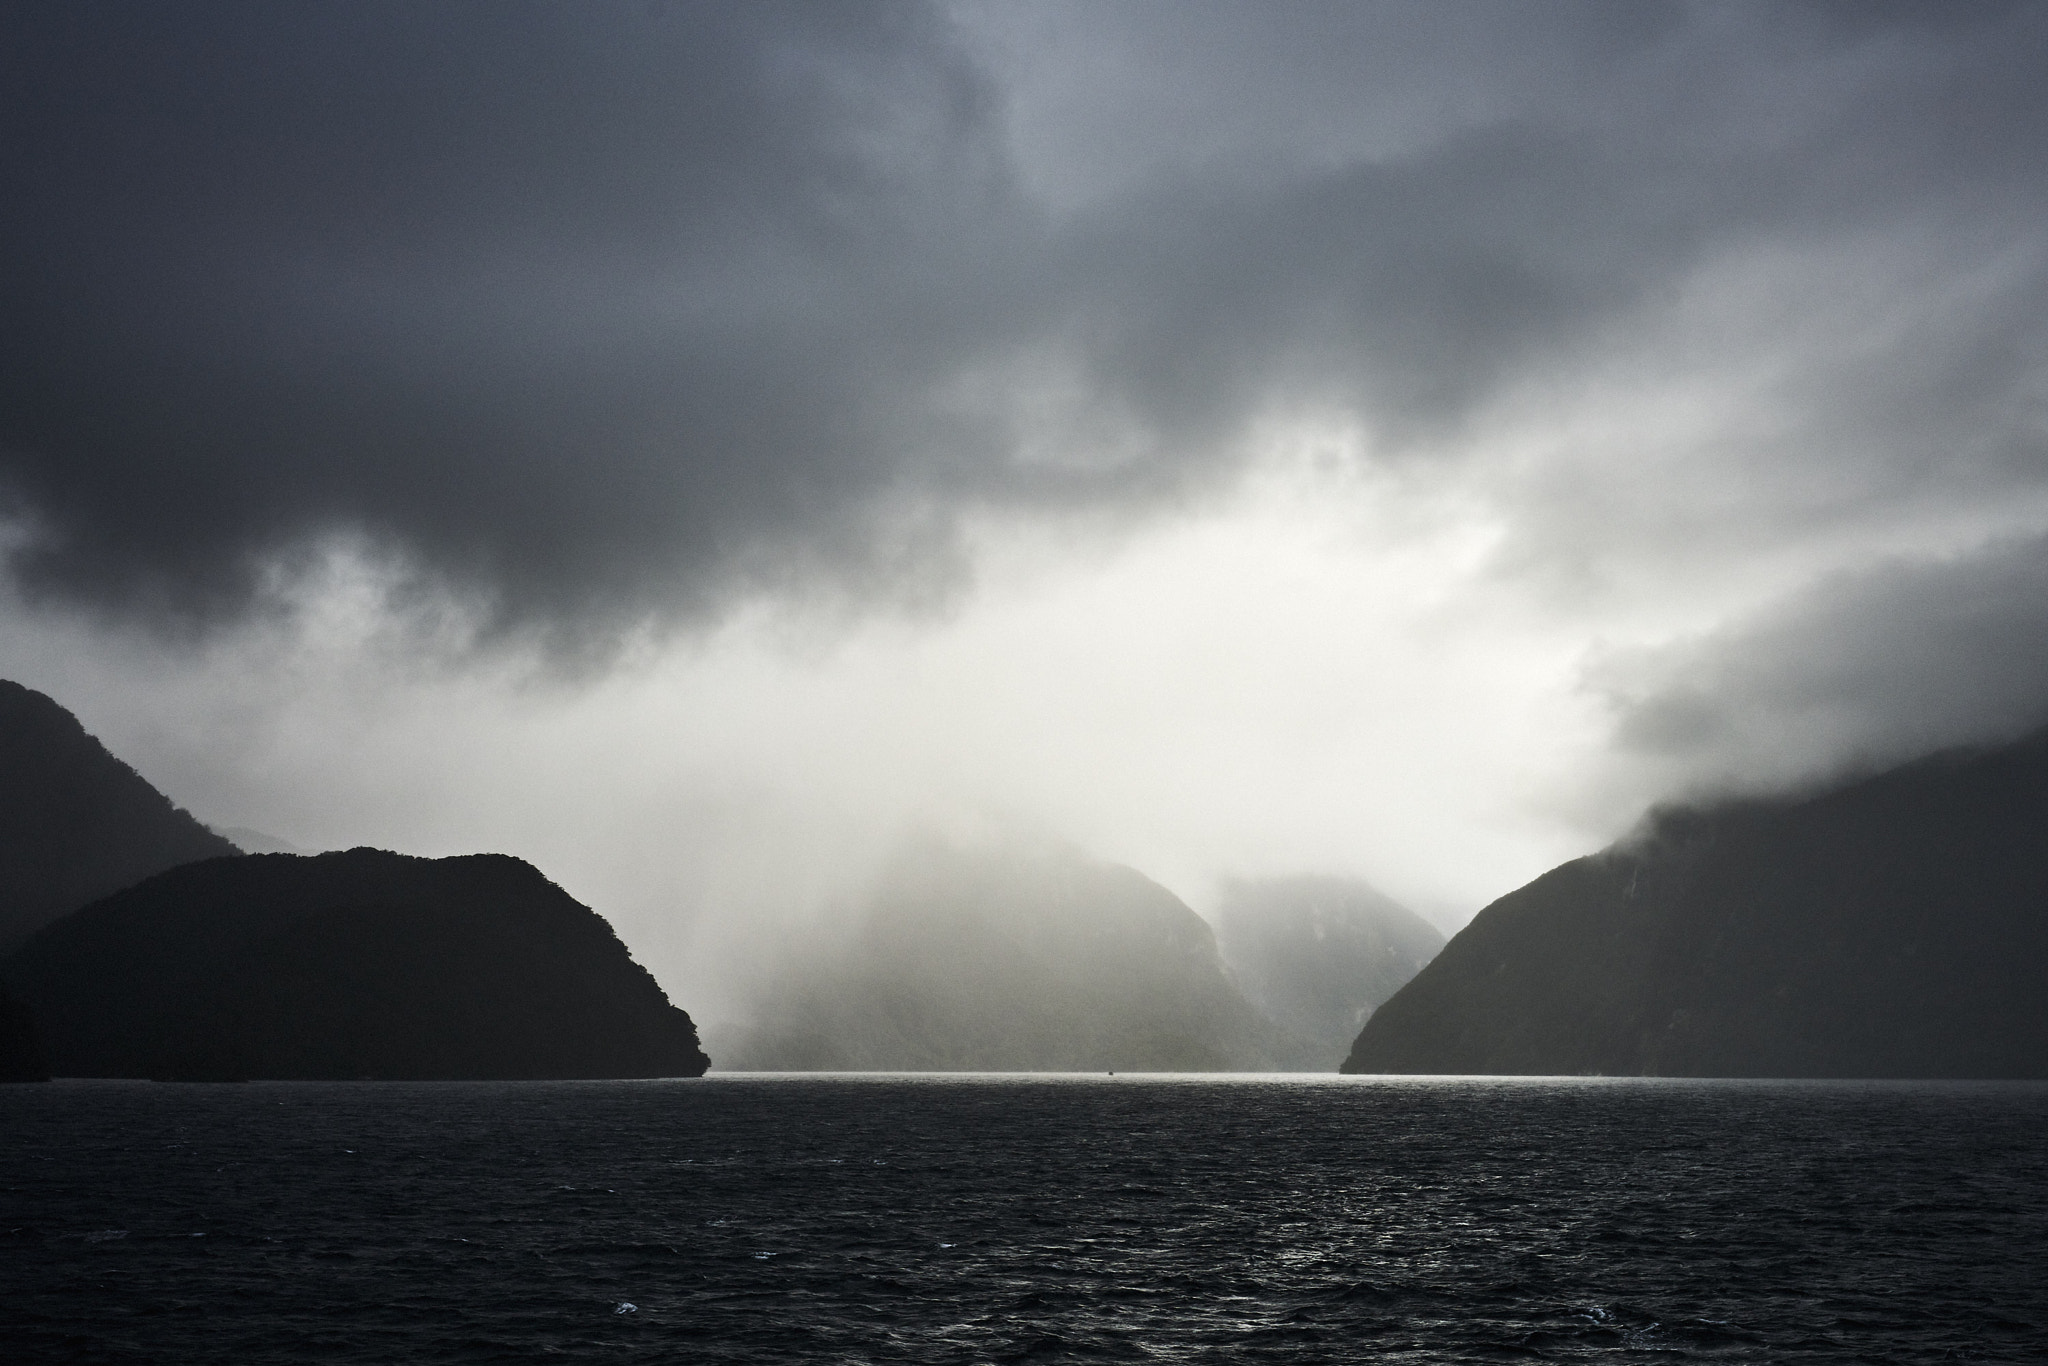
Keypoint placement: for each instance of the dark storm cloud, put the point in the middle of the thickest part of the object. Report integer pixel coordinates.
(597, 314)
(572, 305)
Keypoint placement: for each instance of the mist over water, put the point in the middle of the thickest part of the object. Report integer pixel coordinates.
(1008, 952)
(972, 1219)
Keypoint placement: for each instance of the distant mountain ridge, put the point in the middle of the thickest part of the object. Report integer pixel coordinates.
(259, 841)
(1896, 926)
(360, 964)
(1009, 959)
(1317, 955)
(75, 822)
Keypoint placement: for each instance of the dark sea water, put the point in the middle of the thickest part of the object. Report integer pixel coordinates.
(1024, 1219)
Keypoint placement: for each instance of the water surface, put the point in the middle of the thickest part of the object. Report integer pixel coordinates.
(993, 1219)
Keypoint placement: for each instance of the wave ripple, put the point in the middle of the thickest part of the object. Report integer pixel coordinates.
(1023, 1219)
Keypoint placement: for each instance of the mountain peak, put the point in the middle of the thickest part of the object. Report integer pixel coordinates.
(75, 822)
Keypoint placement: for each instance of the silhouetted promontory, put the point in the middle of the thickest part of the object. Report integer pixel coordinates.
(1317, 955)
(346, 965)
(1894, 927)
(21, 1054)
(1010, 958)
(75, 822)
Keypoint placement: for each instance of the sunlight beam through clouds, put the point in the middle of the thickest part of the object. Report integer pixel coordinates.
(1311, 673)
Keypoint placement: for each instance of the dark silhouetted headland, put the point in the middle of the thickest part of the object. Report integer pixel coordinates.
(1011, 959)
(75, 822)
(346, 965)
(21, 1054)
(1894, 927)
(1317, 955)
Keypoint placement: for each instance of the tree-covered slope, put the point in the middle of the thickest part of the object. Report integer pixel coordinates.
(341, 965)
(75, 822)
(1894, 927)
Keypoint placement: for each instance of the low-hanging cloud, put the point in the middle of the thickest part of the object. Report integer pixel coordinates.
(1860, 670)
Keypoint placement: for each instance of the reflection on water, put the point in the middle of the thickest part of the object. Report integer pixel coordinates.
(960, 1218)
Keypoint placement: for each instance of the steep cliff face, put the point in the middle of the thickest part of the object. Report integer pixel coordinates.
(1894, 927)
(1010, 960)
(75, 822)
(343, 965)
(1317, 955)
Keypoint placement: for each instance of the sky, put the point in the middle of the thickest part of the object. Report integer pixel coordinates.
(693, 445)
